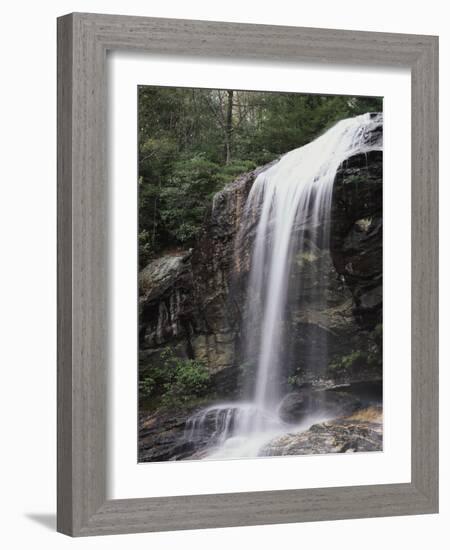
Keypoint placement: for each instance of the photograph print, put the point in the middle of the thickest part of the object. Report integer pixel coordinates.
(260, 274)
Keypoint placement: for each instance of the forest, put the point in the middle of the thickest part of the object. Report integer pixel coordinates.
(194, 141)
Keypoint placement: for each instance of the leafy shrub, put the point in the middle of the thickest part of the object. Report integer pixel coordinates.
(370, 357)
(151, 381)
(187, 379)
(347, 362)
(177, 381)
(235, 168)
(184, 199)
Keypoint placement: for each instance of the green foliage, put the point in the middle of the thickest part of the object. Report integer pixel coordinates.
(176, 381)
(296, 379)
(235, 168)
(378, 334)
(145, 249)
(349, 361)
(194, 141)
(185, 198)
(148, 385)
(365, 358)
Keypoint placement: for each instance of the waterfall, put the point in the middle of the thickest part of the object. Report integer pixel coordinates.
(291, 203)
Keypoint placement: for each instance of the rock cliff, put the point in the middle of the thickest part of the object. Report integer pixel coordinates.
(193, 299)
(190, 299)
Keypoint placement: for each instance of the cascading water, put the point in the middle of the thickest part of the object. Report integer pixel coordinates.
(289, 200)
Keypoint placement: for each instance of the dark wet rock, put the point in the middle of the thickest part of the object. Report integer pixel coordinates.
(359, 433)
(161, 274)
(165, 295)
(161, 435)
(334, 401)
(297, 405)
(357, 233)
(226, 382)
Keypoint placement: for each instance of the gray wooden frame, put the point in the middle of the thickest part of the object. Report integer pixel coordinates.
(83, 40)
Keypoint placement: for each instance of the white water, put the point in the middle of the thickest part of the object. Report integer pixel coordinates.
(293, 194)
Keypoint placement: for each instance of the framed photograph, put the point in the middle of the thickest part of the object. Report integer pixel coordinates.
(247, 274)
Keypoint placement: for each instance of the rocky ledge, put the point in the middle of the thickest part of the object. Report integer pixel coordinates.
(161, 435)
(361, 432)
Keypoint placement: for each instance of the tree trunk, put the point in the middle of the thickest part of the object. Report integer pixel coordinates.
(228, 126)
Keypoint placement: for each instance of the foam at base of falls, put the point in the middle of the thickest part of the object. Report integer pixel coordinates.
(228, 430)
(218, 423)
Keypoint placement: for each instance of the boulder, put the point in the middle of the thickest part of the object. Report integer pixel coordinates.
(361, 432)
(336, 401)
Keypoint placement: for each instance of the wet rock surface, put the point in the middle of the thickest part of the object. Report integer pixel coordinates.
(361, 432)
(357, 233)
(296, 406)
(161, 436)
(164, 436)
